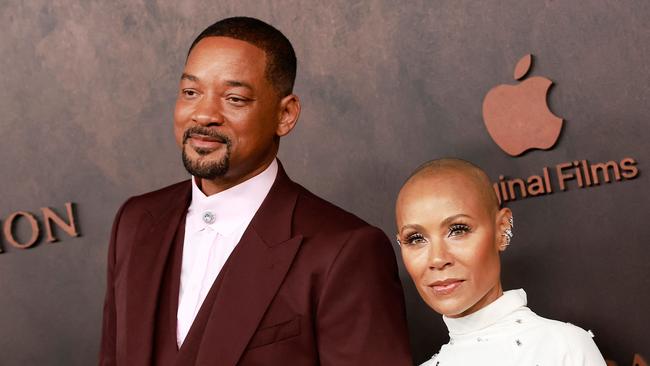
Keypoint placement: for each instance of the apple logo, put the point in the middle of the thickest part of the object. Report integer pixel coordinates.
(517, 116)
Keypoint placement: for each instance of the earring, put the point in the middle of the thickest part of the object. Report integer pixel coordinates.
(507, 234)
(399, 242)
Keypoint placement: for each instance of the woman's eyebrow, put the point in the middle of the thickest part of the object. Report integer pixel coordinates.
(409, 226)
(453, 218)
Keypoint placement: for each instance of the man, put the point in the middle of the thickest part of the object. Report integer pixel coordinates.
(240, 265)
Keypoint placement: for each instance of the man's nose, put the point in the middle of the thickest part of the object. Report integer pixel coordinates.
(439, 255)
(208, 112)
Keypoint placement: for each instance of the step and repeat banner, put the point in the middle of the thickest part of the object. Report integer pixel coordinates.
(551, 98)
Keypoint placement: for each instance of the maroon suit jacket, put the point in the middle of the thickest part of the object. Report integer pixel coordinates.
(308, 284)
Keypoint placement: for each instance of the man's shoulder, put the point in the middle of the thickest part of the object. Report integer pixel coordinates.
(333, 235)
(160, 199)
(315, 214)
(172, 189)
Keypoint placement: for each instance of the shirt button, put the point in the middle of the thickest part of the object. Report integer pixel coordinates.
(208, 217)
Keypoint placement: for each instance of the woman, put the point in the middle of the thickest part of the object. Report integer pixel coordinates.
(451, 231)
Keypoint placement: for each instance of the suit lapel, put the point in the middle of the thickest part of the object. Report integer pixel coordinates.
(253, 275)
(149, 255)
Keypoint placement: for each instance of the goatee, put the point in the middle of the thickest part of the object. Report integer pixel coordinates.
(202, 167)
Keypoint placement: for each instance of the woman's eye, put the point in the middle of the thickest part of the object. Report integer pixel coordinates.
(458, 229)
(415, 239)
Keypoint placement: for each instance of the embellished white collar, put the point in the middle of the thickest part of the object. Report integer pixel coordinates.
(505, 305)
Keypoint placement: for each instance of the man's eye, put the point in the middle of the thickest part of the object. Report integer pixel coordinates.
(415, 239)
(189, 93)
(458, 230)
(236, 100)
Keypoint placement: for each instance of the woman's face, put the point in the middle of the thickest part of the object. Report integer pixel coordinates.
(450, 238)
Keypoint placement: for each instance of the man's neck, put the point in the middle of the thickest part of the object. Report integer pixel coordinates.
(214, 186)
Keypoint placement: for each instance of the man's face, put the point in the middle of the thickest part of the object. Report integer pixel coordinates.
(227, 112)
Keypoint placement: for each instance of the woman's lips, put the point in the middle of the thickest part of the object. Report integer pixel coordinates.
(445, 287)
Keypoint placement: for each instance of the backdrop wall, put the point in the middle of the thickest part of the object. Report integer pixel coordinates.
(86, 98)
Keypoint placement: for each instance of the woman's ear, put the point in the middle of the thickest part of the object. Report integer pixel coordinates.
(289, 113)
(504, 228)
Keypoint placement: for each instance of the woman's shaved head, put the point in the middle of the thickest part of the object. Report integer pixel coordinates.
(445, 166)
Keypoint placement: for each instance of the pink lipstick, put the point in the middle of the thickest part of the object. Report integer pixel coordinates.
(445, 287)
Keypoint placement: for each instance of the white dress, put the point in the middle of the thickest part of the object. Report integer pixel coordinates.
(506, 333)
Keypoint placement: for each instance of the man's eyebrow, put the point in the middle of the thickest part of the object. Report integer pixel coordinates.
(237, 83)
(189, 77)
(233, 83)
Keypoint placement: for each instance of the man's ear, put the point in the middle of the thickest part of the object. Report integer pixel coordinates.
(289, 113)
(503, 226)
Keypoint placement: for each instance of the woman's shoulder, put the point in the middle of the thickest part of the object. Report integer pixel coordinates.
(559, 328)
(569, 342)
(429, 363)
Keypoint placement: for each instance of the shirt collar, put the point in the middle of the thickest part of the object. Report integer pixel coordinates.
(509, 302)
(233, 207)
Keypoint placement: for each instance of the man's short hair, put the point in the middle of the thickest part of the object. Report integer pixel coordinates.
(280, 57)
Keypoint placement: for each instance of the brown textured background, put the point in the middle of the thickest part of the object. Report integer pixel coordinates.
(86, 99)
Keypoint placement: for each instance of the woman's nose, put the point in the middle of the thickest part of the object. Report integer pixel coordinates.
(439, 256)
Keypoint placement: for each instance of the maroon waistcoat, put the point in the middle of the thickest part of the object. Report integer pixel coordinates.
(166, 351)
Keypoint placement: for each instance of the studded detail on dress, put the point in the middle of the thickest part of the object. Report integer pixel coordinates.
(507, 333)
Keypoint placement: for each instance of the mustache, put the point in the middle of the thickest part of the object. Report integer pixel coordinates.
(205, 131)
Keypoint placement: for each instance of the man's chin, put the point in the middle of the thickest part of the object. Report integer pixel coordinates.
(205, 166)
